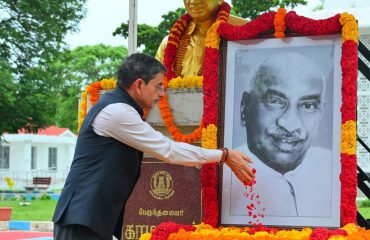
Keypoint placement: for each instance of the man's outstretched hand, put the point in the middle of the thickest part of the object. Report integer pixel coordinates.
(239, 164)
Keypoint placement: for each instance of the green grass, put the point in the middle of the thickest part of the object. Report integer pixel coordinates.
(43, 209)
(364, 208)
(39, 210)
(365, 212)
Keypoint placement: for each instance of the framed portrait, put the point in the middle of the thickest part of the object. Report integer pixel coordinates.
(282, 107)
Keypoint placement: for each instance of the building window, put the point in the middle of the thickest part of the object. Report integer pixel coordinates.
(4, 157)
(33, 158)
(52, 158)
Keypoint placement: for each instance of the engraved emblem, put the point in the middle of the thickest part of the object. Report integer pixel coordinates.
(161, 185)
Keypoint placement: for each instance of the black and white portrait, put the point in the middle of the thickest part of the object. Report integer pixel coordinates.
(282, 108)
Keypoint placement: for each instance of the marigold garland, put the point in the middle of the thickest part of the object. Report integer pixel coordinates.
(350, 28)
(210, 109)
(171, 126)
(348, 137)
(207, 232)
(279, 23)
(209, 137)
(93, 91)
(174, 39)
(108, 83)
(186, 82)
(82, 109)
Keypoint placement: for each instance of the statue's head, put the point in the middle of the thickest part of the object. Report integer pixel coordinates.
(202, 10)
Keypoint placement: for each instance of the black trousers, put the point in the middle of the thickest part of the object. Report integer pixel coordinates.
(74, 232)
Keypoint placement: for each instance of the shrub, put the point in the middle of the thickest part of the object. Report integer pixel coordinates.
(365, 203)
(45, 196)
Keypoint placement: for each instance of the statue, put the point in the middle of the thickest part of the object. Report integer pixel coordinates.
(190, 54)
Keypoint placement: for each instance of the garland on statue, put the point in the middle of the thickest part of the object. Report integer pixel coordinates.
(174, 54)
(93, 92)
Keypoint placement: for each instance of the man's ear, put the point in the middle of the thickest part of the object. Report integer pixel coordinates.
(244, 108)
(137, 85)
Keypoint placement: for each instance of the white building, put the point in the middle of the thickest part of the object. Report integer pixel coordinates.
(48, 153)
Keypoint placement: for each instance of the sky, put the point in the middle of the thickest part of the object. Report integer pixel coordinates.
(104, 16)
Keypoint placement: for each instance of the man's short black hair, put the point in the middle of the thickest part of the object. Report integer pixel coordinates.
(138, 65)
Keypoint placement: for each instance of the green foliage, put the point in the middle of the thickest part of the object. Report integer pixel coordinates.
(45, 196)
(26, 101)
(253, 8)
(31, 35)
(364, 203)
(320, 6)
(38, 210)
(74, 70)
(150, 37)
(7, 96)
(86, 64)
(32, 30)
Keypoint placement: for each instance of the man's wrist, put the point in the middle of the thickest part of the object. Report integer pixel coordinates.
(225, 155)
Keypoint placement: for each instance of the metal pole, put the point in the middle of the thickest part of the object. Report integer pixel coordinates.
(132, 27)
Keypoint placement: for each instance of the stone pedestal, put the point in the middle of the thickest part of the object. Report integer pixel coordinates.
(167, 192)
(181, 200)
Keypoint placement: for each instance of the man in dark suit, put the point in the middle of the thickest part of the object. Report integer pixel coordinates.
(109, 150)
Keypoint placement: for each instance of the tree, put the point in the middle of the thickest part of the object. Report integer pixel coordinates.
(149, 36)
(7, 98)
(252, 8)
(77, 68)
(33, 30)
(31, 35)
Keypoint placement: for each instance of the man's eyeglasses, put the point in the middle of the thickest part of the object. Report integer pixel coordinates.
(160, 89)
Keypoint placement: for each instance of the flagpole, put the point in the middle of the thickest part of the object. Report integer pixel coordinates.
(132, 27)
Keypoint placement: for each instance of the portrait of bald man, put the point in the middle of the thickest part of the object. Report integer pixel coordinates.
(285, 113)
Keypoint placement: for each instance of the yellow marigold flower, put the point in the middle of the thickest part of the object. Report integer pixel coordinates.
(200, 82)
(186, 82)
(261, 234)
(145, 236)
(348, 137)
(209, 137)
(203, 226)
(350, 228)
(182, 83)
(108, 83)
(336, 237)
(350, 27)
(213, 39)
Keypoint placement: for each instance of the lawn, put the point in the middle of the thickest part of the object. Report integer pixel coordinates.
(43, 209)
(38, 210)
(365, 212)
(363, 206)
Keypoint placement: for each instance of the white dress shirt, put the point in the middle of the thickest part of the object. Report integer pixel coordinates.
(305, 191)
(123, 122)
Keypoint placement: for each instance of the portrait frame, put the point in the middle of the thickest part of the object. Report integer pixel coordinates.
(295, 25)
(240, 205)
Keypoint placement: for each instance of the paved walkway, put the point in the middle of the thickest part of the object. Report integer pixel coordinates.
(20, 235)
